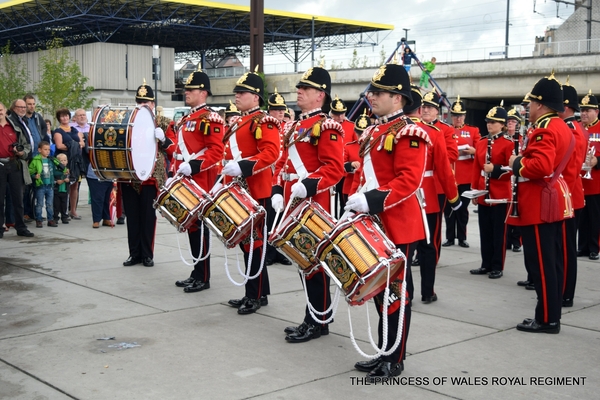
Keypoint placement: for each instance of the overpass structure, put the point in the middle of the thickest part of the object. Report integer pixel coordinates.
(481, 85)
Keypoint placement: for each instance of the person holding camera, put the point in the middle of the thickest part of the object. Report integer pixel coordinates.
(14, 172)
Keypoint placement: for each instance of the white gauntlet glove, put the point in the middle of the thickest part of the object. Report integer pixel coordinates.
(358, 203)
(277, 202)
(159, 134)
(298, 190)
(232, 168)
(185, 169)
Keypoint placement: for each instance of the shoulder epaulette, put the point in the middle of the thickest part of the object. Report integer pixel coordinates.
(331, 124)
(215, 117)
(258, 120)
(413, 130)
(445, 123)
(270, 118)
(571, 124)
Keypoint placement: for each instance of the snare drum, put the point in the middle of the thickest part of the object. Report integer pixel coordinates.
(356, 254)
(122, 143)
(231, 214)
(301, 231)
(180, 201)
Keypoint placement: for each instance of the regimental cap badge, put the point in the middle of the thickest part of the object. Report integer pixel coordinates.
(432, 99)
(232, 109)
(307, 74)
(198, 80)
(338, 106)
(391, 78)
(497, 113)
(251, 82)
(276, 101)
(457, 107)
(379, 74)
(362, 122)
(514, 114)
(317, 78)
(144, 93)
(589, 101)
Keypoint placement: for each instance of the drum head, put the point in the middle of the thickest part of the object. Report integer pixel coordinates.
(143, 143)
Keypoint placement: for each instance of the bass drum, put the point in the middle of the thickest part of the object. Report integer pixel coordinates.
(122, 143)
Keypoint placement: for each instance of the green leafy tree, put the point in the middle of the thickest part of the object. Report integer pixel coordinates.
(354, 62)
(365, 62)
(62, 84)
(382, 56)
(13, 75)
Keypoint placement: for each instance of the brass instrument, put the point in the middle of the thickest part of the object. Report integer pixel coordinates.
(587, 164)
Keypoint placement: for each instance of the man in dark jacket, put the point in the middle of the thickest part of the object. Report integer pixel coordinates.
(14, 151)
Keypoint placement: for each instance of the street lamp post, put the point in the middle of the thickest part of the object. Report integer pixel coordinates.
(156, 70)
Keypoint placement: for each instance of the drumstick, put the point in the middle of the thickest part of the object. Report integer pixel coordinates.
(287, 208)
(274, 222)
(220, 178)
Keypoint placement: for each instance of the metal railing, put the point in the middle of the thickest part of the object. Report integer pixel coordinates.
(541, 49)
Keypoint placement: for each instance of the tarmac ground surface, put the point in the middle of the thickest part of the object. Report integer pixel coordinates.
(76, 324)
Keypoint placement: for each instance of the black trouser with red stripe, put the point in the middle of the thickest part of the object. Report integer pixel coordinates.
(492, 234)
(456, 221)
(317, 287)
(428, 257)
(255, 288)
(542, 245)
(201, 270)
(141, 219)
(393, 314)
(570, 259)
(589, 228)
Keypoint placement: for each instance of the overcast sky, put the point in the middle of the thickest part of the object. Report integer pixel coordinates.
(439, 26)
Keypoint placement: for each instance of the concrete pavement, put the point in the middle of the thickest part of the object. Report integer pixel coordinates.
(66, 288)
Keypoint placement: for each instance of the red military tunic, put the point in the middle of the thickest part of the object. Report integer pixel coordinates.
(592, 186)
(258, 140)
(545, 148)
(350, 154)
(399, 173)
(319, 142)
(451, 147)
(200, 135)
(502, 148)
(438, 169)
(466, 135)
(572, 172)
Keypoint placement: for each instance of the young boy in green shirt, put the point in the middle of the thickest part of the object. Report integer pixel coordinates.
(41, 169)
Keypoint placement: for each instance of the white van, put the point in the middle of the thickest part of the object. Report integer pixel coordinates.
(179, 112)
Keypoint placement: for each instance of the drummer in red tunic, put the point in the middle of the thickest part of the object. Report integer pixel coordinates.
(310, 164)
(251, 149)
(197, 151)
(394, 152)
